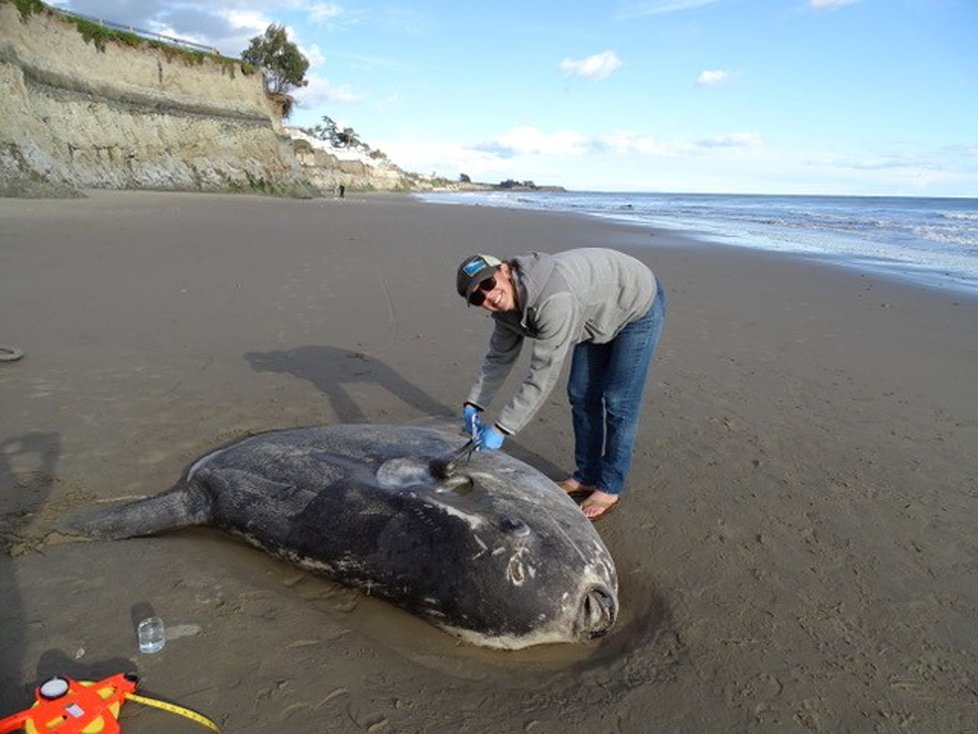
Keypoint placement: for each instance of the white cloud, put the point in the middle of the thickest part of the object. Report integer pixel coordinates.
(903, 168)
(661, 7)
(713, 77)
(733, 140)
(625, 142)
(314, 55)
(624, 160)
(445, 158)
(597, 66)
(320, 91)
(330, 16)
(325, 12)
(829, 4)
(242, 26)
(248, 20)
(530, 141)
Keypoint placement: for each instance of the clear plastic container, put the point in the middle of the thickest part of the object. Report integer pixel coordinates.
(152, 635)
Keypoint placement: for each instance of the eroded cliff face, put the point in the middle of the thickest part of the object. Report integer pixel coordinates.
(74, 117)
(328, 168)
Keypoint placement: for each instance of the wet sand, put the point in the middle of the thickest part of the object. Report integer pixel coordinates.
(796, 546)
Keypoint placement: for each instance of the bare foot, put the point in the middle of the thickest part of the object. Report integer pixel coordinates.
(598, 504)
(572, 486)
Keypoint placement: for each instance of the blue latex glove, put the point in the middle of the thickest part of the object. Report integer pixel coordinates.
(470, 421)
(490, 439)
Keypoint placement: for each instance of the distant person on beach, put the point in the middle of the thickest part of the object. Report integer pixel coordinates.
(604, 308)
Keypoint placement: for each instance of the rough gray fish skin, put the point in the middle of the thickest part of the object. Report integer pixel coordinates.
(495, 554)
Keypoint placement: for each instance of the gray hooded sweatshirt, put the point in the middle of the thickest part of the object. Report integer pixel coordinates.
(589, 294)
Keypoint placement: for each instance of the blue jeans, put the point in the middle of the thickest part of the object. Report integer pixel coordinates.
(605, 394)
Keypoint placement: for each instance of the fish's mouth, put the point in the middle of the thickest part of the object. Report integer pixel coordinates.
(597, 612)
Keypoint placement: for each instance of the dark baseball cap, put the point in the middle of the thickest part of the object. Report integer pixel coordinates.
(473, 271)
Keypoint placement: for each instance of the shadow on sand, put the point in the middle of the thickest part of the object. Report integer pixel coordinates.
(27, 466)
(332, 371)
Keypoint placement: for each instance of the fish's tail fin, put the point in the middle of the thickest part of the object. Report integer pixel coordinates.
(178, 508)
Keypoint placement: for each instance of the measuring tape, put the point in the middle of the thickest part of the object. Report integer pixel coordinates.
(66, 706)
(174, 709)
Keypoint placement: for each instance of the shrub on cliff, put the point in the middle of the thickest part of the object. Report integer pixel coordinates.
(28, 7)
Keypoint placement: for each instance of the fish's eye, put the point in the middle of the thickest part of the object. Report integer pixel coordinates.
(513, 526)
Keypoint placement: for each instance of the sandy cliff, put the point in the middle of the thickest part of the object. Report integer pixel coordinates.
(328, 167)
(73, 116)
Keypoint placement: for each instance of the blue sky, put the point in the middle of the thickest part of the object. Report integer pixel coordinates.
(875, 97)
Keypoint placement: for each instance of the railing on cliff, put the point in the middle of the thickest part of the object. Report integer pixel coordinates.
(142, 33)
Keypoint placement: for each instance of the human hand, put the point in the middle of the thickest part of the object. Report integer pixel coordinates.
(470, 420)
(489, 439)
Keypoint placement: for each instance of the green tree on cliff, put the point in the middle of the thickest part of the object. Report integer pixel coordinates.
(348, 138)
(327, 131)
(283, 64)
(345, 138)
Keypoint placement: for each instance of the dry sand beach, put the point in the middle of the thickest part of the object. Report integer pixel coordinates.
(797, 547)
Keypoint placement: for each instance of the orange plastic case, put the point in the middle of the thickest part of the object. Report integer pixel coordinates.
(77, 707)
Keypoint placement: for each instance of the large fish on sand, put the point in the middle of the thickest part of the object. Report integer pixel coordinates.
(493, 552)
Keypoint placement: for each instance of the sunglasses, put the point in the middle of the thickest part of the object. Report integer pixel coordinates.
(479, 294)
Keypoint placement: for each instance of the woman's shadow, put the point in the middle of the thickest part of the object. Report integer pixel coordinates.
(332, 370)
(27, 471)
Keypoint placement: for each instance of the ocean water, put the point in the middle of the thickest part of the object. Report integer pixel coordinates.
(925, 240)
